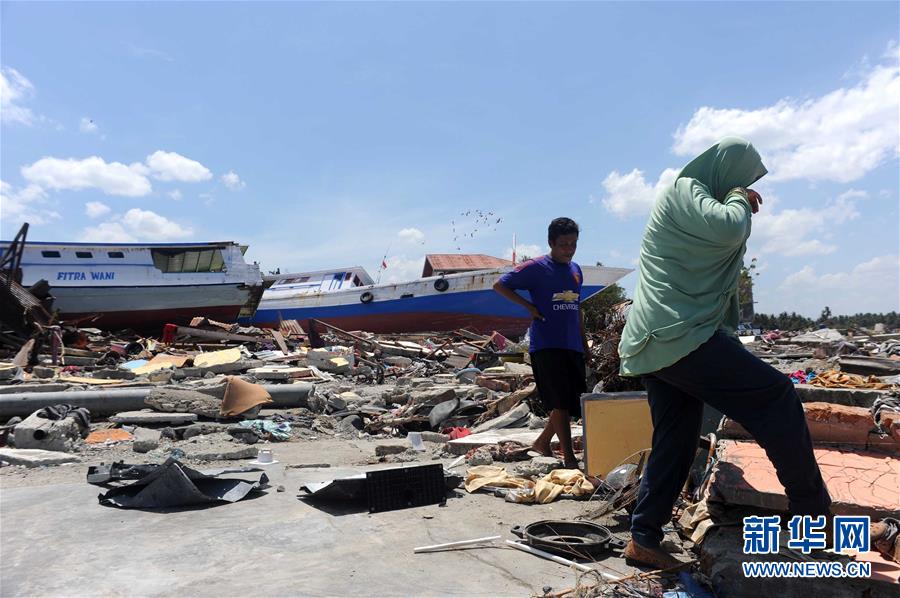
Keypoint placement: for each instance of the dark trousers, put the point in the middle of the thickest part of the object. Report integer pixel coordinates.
(728, 377)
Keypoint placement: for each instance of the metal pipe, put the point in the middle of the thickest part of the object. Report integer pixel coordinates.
(113, 400)
(548, 556)
(459, 544)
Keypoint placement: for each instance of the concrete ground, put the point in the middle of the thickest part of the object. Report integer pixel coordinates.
(56, 540)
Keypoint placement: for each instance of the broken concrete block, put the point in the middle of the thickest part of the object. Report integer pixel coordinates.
(35, 457)
(834, 424)
(511, 418)
(481, 456)
(538, 467)
(352, 424)
(398, 361)
(225, 452)
(50, 435)
(145, 440)
(152, 417)
(336, 403)
(494, 384)
(429, 436)
(390, 449)
(859, 483)
(842, 396)
(39, 371)
(115, 374)
(183, 401)
(164, 376)
(432, 396)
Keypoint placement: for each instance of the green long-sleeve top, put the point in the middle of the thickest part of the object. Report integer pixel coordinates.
(691, 258)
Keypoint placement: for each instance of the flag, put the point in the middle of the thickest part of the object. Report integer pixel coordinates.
(383, 264)
(514, 251)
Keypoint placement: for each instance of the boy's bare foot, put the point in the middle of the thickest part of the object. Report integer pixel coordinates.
(543, 449)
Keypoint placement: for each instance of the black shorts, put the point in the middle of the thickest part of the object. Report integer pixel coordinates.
(560, 378)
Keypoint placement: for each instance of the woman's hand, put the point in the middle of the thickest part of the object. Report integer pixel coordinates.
(755, 200)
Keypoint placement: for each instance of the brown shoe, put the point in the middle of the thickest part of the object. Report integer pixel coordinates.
(885, 538)
(657, 558)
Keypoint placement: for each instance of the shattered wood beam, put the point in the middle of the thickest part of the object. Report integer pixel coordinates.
(346, 334)
(215, 334)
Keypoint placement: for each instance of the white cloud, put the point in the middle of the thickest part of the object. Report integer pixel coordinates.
(793, 232)
(14, 90)
(87, 125)
(402, 269)
(233, 181)
(151, 226)
(95, 209)
(839, 136)
(107, 232)
(113, 178)
(524, 251)
(175, 194)
(136, 225)
(630, 195)
(170, 166)
(870, 286)
(24, 205)
(411, 235)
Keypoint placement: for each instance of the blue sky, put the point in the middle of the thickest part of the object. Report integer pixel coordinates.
(328, 134)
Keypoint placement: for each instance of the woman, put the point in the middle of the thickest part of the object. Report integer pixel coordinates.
(680, 338)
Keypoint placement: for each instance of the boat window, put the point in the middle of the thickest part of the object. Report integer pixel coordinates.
(348, 275)
(83, 254)
(115, 254)
(50, 253)
(356, 282)
(179, 260)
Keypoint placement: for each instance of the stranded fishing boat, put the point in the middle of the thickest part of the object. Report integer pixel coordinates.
(348, 298)
(143, 286)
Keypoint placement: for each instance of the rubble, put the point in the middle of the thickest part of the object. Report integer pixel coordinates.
(35, 457)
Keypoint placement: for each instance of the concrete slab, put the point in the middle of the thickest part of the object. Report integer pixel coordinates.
(152, 417)
(274, 541)
(841, 396)
(722, 554)
(461, 446)
(35, 457)
(859, 483)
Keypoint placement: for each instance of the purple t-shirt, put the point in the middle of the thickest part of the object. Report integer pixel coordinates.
(555, 290)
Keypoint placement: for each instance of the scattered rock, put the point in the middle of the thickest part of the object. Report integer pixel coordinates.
(42, 372)
(538, 467)
(481, 456)
(390, 449)
(164, 376)
(223, 452)
(432, 396)
(115, 374)
(145, 440)
(183, 401)
(352, 424)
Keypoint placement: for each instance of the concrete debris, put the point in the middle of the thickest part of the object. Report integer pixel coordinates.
(152, 417)
(183, 401)
(36, 432)
(145, 440)
(35, 457)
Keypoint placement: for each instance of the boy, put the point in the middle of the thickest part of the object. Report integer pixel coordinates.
(558, 343)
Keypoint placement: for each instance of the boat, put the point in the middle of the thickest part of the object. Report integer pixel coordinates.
(143, 286)
(349, 299)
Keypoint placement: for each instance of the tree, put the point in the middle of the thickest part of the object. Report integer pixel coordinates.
(825, 317)
(597, 309)
(745, 291)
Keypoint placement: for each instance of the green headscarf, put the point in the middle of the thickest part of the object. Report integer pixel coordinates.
(733, 162)
(691, 258)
